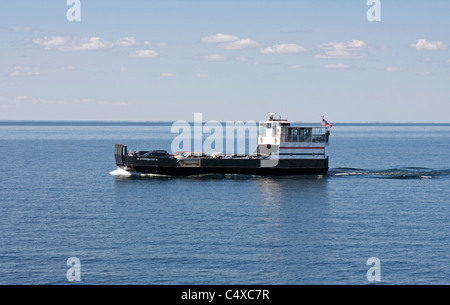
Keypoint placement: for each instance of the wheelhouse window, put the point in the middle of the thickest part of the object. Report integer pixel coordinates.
(304, 134)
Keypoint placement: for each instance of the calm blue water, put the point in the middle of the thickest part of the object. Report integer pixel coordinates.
(386, 196)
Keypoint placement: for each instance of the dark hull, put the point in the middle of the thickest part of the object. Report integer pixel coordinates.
(241, 171)
(170, 167)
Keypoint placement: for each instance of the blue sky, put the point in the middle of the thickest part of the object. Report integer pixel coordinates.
(230, 60)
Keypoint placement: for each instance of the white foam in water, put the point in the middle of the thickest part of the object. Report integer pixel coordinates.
(123, 173)
(120, 172)
(348, 174)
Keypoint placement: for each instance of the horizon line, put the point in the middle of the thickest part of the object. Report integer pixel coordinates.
(172, 121)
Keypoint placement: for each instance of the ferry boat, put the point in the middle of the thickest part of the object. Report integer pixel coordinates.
(282, 150)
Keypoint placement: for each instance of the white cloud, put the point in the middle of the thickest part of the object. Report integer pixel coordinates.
(239, 44)
(108, 103)
(93, 43)
(423, 45)
(448, 60)
(214, 57)
(55, 41)
(27, 99)
(126, 41)
(230, 42)
(283, 48)
(336, 66)
(392, 69)
(74, 44)
(357, 44)
(23, 71)
(84, 100)
(21, 97)
(144, 53)
(167, 74)
(219, 38)
(203, 75)
(341, 49)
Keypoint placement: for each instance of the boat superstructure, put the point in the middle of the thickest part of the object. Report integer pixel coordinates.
(278, 137)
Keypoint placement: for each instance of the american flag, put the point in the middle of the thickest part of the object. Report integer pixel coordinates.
(325, 123)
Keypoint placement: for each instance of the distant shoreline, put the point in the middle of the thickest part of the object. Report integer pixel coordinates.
(169, 123)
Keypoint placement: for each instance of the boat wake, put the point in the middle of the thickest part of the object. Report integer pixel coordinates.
(121, 173)
(393, 173)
